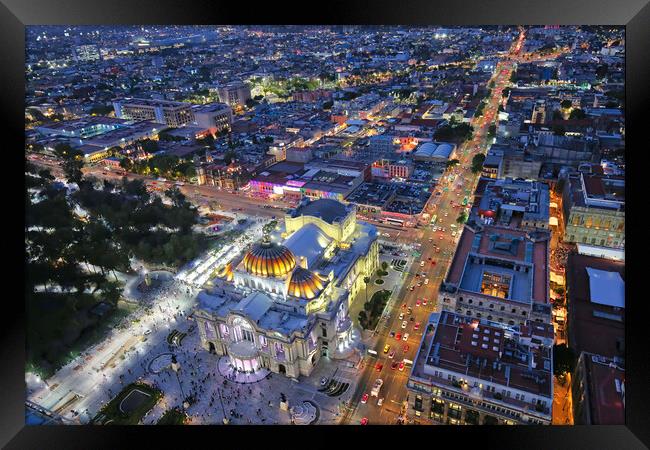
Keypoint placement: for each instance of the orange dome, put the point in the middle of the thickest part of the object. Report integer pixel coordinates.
(306, 284)
(269, 260)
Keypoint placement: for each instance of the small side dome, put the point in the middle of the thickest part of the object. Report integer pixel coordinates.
(306, 284)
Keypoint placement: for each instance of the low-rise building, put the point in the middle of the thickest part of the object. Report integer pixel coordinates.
(516, 203)
(435, 151)
(598, 391)
(500, 274)
(215, 117)
(594, 210)
(389, 169)
(475, 371)
(225, 176)
(596, 305)
(172, 114)
(235, 94)
(80, 130)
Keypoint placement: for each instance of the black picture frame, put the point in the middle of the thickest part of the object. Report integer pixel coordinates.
(633, 14)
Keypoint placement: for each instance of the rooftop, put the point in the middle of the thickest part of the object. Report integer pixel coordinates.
(499, 355)
(508, 197)
(486, 262)
(606, 288)
(588, 318)
(604, 382)
(152, 102)
(308, 242)
(329, 210)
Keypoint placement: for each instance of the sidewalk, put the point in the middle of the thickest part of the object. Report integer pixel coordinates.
(562, 402)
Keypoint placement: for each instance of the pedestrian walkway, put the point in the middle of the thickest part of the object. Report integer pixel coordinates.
(230, 373)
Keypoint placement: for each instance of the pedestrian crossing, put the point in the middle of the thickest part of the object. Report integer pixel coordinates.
(398, 264)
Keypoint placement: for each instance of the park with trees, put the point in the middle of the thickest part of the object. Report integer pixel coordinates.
(454, 132)
(477, 162)
(78, 241)
(371, 312)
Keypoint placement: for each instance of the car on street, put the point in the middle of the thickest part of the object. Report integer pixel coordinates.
(364, 399)
(404, 323)
(401, 366)
(418, 302)
(364, 421)
(391, 355)
(417, 325)
(401, 316)
(394, 365)
(380, 401)
(392, 334)
(426, 281)
(386, 348)
(405, 348)
(376, 387)
(421, 263)
(147, 332)
(409, 311)
(378, 367)
(405, 337)
(398, 336)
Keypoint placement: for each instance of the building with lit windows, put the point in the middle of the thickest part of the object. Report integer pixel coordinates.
(283, 304)
(594, 210)
(477, 372)
(172, 114)
(215, 117)
(234, 94)
(84, 53)
(225, 176)
(500, 274)
(385, 168)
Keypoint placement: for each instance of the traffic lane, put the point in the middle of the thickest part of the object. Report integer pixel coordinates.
(411, 296)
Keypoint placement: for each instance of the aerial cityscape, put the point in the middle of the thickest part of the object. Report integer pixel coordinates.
(328, 225)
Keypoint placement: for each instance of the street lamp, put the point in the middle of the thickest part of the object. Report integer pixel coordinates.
(225, 419)
(176, 367)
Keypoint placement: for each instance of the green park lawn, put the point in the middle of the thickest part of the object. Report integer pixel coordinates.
(111, 414)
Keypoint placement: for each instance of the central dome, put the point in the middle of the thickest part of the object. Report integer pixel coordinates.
(269, 260)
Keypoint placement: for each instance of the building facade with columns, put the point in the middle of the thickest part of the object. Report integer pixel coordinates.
(283, 304)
